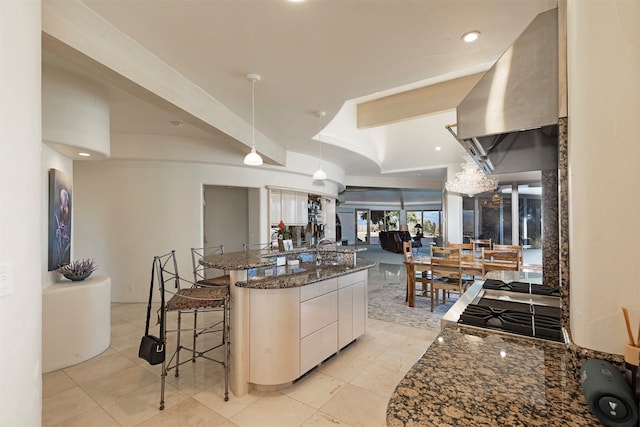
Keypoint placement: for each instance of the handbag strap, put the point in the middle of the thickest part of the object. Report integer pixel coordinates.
(153, 268)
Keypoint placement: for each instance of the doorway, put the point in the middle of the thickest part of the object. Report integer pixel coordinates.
(225, 217)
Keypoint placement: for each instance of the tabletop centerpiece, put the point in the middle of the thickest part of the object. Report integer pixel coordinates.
(284, 241)
(78, 270)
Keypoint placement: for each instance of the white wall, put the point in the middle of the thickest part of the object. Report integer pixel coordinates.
(604, 153)
(20, 214)
(127, 211)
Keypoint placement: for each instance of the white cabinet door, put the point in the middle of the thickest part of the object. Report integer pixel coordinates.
(289, 207)
(274, 336)
(302, 208)
(318, 346)
(359, 309)
(317, 313)
(275, 212)
(345, 316)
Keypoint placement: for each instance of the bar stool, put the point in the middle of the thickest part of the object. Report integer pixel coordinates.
(189, 298)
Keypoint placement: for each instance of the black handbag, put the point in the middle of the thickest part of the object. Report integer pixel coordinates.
(152, 347)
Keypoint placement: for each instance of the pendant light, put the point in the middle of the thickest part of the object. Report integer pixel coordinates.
(320, 175)
(253, 158)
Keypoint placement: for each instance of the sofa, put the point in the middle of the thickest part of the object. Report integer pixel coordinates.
(392, 240)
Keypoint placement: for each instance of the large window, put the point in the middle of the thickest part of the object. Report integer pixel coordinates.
(431, 222)
(489, 216)
(372, 222)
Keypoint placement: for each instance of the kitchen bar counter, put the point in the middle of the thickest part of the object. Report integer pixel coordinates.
(305, 274)
(264, 258)
(287, 319)
(474, 378)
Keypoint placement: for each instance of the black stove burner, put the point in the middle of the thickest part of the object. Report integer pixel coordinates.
(516, 321)
(521, 287)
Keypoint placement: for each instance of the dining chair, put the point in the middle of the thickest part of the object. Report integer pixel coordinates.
(413, 276)
(478, 244)
(189, 298)
(519, 248)
(499, 260)
(466, 250)
(446, 273)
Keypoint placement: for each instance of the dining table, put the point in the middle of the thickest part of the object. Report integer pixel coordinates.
(470, 267)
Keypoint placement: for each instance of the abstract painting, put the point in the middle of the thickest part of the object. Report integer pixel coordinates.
(59, 219)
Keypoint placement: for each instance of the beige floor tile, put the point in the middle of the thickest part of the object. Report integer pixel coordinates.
(320, 419)
(56, 382)
(379, 379)
(125, 335)
(108, 363)
(357, 407)
(65, 405)
(399, 359)
(96, 417)
(142, 404)
(111, 387)
(203, 375)
(214, 400)
(188, 413)
(343, 367)
(274, 410)
(350, 389)
(314, 390)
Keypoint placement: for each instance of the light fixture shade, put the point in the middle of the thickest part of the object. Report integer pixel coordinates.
(319, 175)
(253, 158)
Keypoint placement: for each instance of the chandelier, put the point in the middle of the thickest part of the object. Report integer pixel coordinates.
(494, 202)
(471, 180)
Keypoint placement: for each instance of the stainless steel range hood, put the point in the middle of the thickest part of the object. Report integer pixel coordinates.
(508, 121)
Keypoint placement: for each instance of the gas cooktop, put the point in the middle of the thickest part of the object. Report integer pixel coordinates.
(521, 287)
(516, 307)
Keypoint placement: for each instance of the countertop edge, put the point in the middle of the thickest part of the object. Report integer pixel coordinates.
(309, 276)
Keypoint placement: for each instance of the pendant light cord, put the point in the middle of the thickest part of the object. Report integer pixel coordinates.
(253, 113)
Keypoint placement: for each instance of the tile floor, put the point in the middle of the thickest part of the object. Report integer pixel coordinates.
(116, 388)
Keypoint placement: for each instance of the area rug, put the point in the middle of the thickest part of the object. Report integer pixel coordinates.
(387, 303)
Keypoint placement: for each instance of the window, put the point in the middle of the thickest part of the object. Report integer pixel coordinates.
(431, 222)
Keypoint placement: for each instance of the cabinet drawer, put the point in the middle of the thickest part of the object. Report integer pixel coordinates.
(318, 346)
(318, 312)
(350, 279)
(316, 289)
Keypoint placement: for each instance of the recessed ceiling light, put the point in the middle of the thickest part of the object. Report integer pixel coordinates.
(438, 148)
(471, 36)
(84, 154)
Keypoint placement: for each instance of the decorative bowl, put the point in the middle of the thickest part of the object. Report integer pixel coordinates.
(78, 270)
(77, 277)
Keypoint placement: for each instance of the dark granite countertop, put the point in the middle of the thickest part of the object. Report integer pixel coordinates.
(263, 258)
(480, 378)
(304, 274)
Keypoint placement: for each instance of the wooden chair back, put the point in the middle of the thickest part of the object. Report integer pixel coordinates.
(407, 251)
(478, 244)
(466, 250)
(519, 248)
(499, 260)
(446, 271)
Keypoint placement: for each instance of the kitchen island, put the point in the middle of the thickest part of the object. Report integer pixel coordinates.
(285, 320)
(474, 378)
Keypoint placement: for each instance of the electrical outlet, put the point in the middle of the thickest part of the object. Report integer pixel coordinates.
(6, 279)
